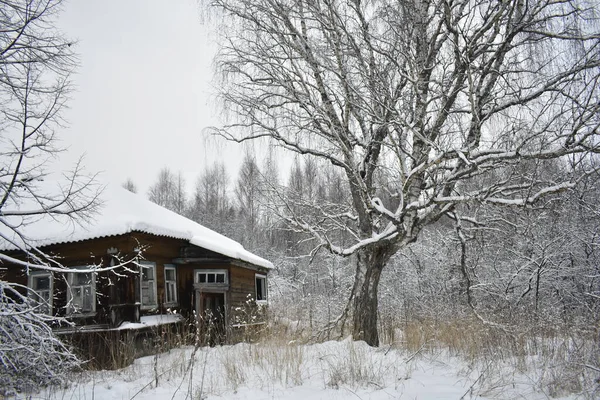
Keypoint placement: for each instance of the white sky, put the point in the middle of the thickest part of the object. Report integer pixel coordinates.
(143, 91)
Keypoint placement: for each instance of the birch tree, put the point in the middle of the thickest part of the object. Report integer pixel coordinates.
(169, 191)
(247, 193)
(211, 205)
(35, 65)
(431, 94)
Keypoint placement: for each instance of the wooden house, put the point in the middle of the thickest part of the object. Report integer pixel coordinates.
(138, 265)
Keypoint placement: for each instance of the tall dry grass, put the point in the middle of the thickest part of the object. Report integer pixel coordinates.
(285, 354)
(560, 362)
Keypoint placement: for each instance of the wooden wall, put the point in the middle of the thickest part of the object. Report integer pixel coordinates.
(113, 290)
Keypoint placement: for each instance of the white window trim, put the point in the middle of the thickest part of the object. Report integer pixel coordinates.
(265, 289)
(148, 264)
(70, 309)
(211, 271)
(31, 290)
(169, 267)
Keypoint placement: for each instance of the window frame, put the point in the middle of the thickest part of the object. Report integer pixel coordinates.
(71, 310)
(198, 272)
(265, 292)
(174, 302)
(31, 291)
(142, 266)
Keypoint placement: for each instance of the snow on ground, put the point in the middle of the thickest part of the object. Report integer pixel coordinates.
(151, 320)
(331, 370)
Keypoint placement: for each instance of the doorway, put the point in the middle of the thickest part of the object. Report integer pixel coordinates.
(211, 311)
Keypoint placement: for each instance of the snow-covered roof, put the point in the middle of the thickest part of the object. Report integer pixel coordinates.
(124, 212)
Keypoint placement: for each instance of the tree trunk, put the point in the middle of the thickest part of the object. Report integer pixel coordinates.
(369, 264)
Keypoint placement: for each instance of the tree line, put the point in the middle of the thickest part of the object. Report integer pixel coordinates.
(517, 269)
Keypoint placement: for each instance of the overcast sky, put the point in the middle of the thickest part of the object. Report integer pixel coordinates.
(143, 90)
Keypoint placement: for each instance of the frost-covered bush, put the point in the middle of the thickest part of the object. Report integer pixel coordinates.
(30, 354)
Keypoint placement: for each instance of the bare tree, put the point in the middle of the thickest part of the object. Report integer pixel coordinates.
(161, 191)
(130, 185)
(268, 219)
(179, 195)
(211, 204)
(535, 265)
(431, 94)
(169, 191)
(247, 193)
(35, 64)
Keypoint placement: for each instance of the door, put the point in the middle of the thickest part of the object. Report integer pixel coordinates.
(210, 308)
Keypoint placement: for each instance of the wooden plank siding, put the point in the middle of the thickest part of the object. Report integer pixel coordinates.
(242, 286)
(119, 291)
(244, 309)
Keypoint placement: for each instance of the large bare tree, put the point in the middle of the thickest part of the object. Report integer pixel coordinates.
(428, 94)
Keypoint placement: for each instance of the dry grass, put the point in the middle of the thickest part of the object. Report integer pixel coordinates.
(559, 363)
(358, 367)
(556, 360)
(268, 362)
(554, 363)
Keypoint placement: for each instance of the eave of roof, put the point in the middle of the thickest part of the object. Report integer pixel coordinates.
(124, 212)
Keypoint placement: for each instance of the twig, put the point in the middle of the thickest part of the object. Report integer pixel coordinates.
(591, 367)
(416, 352)
(149, 384)
(203, 374)
(353, 392)
(470, 389)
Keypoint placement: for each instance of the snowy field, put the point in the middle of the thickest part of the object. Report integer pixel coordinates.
(331, 370)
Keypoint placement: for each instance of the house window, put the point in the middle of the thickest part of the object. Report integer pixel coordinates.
(261, 287)
(81, 293)
(170, 285)
(40, 293)
(148, 285)
(212, 277)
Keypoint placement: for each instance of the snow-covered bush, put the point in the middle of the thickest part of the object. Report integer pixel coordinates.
(30, 354)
